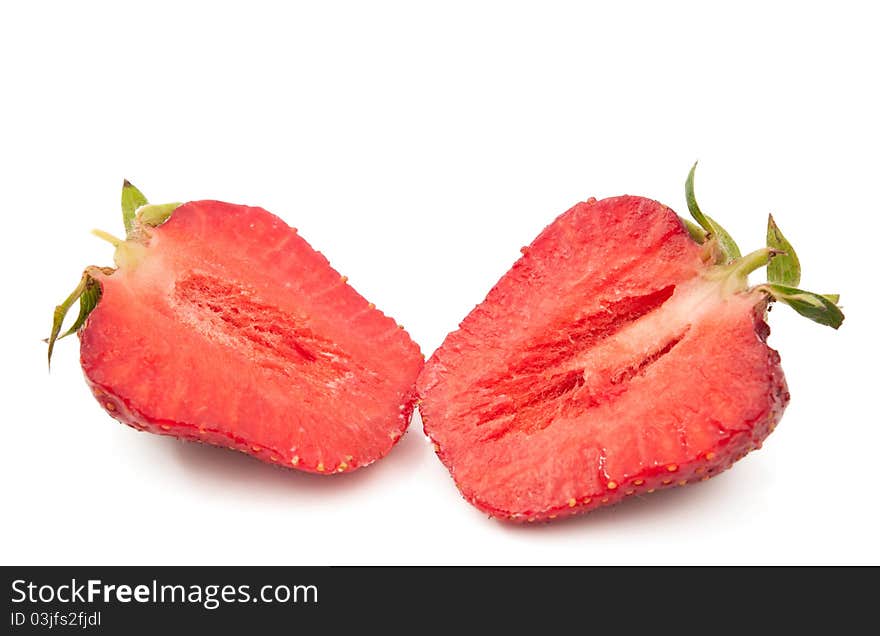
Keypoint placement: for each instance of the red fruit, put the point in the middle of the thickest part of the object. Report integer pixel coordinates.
(222, 325)
(616, 357)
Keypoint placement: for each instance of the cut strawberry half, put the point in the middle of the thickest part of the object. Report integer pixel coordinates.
(222, 325)
(624, 352)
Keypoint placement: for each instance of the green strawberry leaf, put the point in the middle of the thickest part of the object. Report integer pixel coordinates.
(132, 199)
(785, 268)
(87, 286)
(835, 298)
(816, 307)
(727, 246)
(697, 233)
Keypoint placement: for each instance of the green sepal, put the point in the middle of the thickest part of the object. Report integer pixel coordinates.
(88, 300)
(727, 247)
(785, 269)
(88, 293)
(132, 199)
(725, 241)
(697, 233)
(816, 307)
(157, 214)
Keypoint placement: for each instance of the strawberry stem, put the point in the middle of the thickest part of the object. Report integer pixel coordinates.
(127, 253)
(736, 273)
(745, 265)
(101, 234)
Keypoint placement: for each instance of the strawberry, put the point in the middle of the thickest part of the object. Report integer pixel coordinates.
(220, 324)
(623, 353)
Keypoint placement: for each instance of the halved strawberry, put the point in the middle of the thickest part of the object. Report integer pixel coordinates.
(624, 352)
(221, 324)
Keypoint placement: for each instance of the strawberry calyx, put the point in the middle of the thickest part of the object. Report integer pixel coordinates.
(732, 269)
(138, 215)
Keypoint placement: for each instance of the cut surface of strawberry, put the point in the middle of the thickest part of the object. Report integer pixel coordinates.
(619, 355)
(222, 325)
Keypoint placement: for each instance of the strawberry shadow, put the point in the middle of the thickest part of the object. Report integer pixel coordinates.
(237, 472)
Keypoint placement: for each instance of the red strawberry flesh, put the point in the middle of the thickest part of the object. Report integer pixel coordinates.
(605, 363)
(232, 330)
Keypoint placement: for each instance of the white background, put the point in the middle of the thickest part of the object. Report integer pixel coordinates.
(419, 149)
